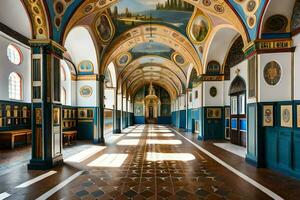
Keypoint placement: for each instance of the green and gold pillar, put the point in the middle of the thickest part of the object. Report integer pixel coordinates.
(46, 105)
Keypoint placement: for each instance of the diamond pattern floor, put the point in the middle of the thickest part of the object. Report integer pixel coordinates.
(139, 178)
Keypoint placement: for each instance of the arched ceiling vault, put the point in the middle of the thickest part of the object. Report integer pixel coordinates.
(170, 90)
(160, 34)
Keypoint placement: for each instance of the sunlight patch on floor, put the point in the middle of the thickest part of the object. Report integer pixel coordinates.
(109, 160)
(134, 135)
(161, 134)
(169, 142)
(153, 156)
(82, 156)
(132, 142)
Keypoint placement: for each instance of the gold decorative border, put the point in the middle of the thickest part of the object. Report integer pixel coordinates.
(190, 24)
(129, 59)
(86, 87)
(112, 27)
(265, 123)
(86, 61)
(174, 59)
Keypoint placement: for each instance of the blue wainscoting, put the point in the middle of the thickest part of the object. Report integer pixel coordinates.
(139, 119)
(214, 128)
(164, 120)
(281, 145)
(182, 119)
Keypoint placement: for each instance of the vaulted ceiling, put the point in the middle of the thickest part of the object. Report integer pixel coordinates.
(149, 40)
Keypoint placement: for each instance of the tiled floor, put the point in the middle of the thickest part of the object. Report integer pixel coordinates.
(148, 162)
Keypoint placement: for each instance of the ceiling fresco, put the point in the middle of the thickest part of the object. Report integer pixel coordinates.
(129, 13)
(162, 35)
(151, 48)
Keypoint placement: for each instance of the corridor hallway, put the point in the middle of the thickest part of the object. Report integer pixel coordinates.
(147, 162)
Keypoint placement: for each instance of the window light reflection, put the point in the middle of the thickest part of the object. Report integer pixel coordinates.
(170, 142)
(161, 135)
(128, 142)
(83, 155)
(153, 156)
(134, 135)
(109, 160)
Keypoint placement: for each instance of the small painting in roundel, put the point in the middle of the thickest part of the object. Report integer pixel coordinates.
(213, 91)
(272, 73)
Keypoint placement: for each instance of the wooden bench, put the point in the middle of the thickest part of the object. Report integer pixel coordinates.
(70, 136)
(12, 134)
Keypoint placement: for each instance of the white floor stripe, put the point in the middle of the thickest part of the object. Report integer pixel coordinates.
(59, 186)
(243, 176)
(37, 179)
(4, 195)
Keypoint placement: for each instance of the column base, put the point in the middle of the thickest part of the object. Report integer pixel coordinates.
(117, 131)
(45, 164)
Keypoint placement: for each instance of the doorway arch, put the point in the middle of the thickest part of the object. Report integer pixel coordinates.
(238, 115)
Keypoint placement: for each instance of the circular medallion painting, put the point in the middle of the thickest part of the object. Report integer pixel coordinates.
(276, 23)
(199, 28)
(86, 91)
(124, 59)
(178, 59)
(213, 91)
(272, 73)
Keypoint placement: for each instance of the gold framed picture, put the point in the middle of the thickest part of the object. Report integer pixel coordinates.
(286, 116)
(268, 116)
(214, 113)
(56, 116)
(38, 116)
(298, 116)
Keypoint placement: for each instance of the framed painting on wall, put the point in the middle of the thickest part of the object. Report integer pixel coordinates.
(268, 116)
(214, 113)
(286, 116)
(252, 77)
(298, 116)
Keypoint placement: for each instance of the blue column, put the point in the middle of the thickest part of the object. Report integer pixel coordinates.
(46, 107)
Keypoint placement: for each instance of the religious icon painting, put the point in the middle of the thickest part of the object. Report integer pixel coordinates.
(286, 116)
(272, 73)
(104, 27)
(56, 116)
(268, 117)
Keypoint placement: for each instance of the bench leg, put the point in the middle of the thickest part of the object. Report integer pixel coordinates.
(12, 142)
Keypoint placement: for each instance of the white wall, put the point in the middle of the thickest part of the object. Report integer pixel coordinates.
(281, 91)
(14, 15)
(109, 100)
(67, 84)
(297, 67)
(208, 100)
(91, 101)
(243, 68)
(6, 67)
(197, 103)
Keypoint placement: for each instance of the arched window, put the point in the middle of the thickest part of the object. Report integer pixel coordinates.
(62, 74)
(15, 86)
(14, 54)
(63, 96)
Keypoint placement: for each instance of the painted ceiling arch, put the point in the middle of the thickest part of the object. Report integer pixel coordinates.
(157, 71)
(160, 34)
(172, 92)
(65, 13)
(218, 44)
(141, 75)
(152, 61)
